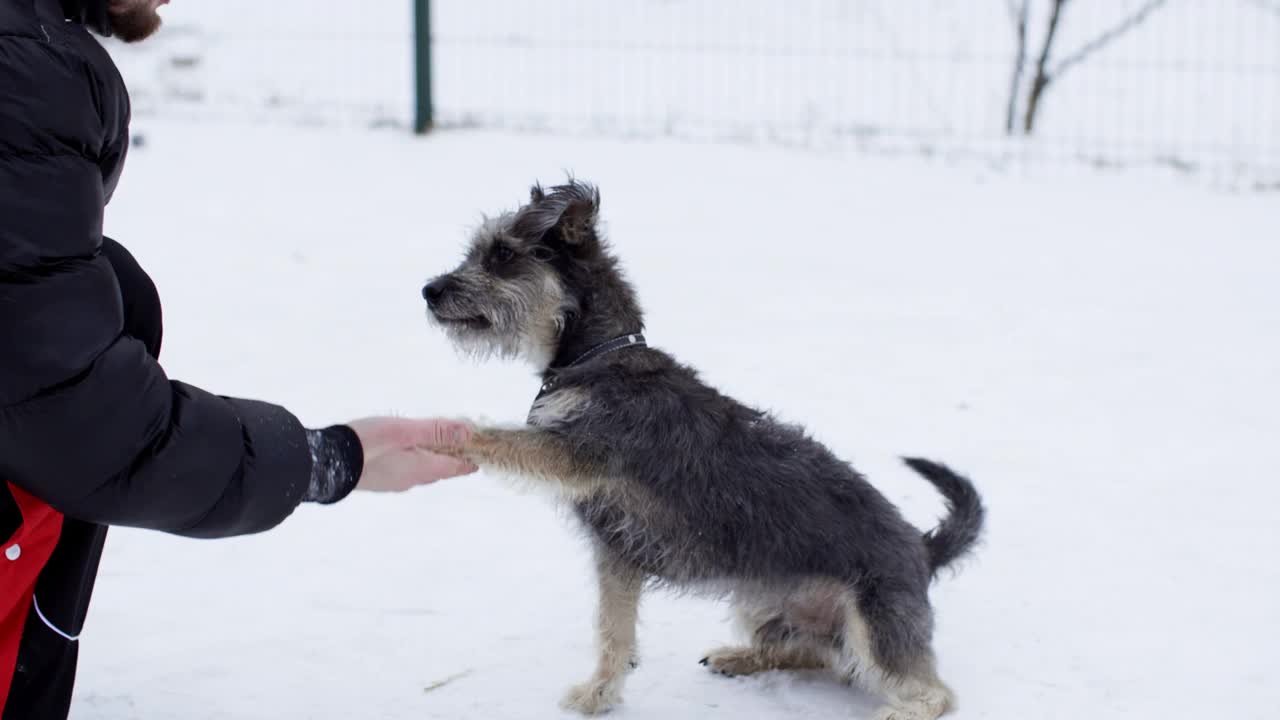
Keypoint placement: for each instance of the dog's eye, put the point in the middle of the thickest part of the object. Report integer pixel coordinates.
(542, 253)
(502, 254)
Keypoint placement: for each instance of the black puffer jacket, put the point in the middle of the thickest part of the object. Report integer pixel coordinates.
(89, 423)
(88, 420)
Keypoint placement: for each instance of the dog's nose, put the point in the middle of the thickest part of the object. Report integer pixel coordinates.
(435, 290)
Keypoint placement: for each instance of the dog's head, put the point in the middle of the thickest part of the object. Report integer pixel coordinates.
(529, 277)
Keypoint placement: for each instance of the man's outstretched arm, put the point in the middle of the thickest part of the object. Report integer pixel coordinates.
(89, 422)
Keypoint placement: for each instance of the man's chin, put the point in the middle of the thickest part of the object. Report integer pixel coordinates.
(136, 24)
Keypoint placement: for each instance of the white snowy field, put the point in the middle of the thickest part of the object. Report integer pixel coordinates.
(1098, 352)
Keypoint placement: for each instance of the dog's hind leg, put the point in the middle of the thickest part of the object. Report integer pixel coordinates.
(886, 648)
(797, 631)
(775, 645)
(620, 588)
(752, 659)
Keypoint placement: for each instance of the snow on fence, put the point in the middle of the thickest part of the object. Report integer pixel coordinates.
(1190, 84)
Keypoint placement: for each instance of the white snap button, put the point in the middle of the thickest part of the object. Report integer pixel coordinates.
(13, 552)
(631, 338)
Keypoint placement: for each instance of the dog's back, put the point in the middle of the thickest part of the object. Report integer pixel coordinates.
(700, 486)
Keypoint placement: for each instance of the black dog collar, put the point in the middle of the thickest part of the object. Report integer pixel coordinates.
(619, 343)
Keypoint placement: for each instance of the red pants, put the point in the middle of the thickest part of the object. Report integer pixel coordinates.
(22, 557)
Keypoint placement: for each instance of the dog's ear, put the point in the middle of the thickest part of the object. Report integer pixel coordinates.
(566, 216)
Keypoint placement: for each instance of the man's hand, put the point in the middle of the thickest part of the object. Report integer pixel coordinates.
(394, 454)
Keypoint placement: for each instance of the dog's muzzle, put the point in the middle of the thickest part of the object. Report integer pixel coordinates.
(437, 293)
(435, 290)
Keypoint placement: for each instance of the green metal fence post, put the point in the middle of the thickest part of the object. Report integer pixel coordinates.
(423, 111)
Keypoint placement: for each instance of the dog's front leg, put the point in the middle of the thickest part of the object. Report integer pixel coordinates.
(620, 588)
(532, 453)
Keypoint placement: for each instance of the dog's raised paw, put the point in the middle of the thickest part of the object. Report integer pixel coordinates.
(733, 661)
(461, 453)
(593, 697)
(894, 713)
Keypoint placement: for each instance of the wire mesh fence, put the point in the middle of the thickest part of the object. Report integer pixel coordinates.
(1190, 84)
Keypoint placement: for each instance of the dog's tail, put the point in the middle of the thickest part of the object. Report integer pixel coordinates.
(959, 530)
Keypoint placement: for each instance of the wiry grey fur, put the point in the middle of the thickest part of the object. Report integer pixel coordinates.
(682, 486)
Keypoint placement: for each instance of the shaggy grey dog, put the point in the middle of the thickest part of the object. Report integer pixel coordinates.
(681, 486)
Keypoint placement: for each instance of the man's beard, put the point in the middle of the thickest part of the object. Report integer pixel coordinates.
(136, 21)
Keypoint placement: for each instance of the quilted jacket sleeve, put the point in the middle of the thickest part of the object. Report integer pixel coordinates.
(89, 422)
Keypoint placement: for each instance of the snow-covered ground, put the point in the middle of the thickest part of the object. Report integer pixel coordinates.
(1099, 352)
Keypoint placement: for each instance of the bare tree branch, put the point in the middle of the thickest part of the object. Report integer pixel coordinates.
(1018, 15)
(1017, 9)
(1042, 77)
(1137, 18)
